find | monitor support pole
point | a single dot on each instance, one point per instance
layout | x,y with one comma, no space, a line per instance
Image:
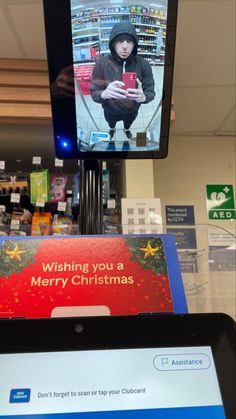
91,201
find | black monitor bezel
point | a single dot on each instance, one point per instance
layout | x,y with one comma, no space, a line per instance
57,17
124,332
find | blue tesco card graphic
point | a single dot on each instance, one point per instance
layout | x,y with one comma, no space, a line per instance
20,395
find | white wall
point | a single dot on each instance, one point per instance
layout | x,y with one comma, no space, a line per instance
181,178
192,163
139,180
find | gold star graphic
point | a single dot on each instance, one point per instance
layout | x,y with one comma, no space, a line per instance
149,250
15,253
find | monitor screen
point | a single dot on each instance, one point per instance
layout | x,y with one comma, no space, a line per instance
111,72
150,383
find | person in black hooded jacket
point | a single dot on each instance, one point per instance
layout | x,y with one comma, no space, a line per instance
106,85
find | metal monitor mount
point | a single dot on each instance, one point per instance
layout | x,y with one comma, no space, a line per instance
91,202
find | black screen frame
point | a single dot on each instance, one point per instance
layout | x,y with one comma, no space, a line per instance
57,19
126,332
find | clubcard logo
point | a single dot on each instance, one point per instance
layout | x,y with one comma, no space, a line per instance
20,395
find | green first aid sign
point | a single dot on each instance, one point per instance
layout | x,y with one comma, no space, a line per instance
220,202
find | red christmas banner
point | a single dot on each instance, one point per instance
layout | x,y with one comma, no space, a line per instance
89,275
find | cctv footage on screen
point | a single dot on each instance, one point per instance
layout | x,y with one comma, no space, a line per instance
119,62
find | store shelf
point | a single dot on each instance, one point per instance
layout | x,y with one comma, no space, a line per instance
115,14
146,53
26,111
146,24
147,34
85,63
120,13
24,93
106,27
105,20
84,18
85,36
143,44
86,44
84,29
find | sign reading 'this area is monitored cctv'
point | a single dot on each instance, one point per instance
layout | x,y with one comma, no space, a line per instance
220,202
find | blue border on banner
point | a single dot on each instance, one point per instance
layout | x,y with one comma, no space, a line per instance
174,272
206,412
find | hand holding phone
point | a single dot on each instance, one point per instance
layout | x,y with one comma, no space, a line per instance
136,94
114,90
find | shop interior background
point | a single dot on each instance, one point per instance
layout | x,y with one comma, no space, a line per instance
202,140
204,79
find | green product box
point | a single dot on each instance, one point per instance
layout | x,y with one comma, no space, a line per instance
39,186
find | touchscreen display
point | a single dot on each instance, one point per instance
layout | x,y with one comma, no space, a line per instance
176,383
118,57
111,68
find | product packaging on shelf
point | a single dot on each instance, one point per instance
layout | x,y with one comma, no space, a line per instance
9,183
4,221
39,186
58,188
41,224
62,224
105,186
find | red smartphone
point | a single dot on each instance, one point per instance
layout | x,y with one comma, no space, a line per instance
130,80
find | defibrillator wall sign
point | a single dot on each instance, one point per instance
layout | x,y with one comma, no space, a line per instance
220,202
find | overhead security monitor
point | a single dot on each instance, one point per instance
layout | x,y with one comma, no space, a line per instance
111,72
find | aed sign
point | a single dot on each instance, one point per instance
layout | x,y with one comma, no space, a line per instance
220,202
180,214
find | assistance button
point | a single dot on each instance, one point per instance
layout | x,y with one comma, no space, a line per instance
180,362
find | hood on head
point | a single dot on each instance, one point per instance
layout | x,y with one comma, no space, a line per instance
121,28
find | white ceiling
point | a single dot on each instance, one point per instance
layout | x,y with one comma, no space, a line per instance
204,82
